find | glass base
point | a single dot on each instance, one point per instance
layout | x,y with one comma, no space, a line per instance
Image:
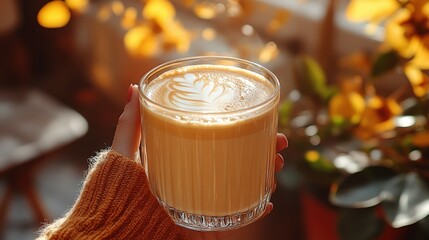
216,223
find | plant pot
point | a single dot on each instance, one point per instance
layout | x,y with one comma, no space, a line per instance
320,220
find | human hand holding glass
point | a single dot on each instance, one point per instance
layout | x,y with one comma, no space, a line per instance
127,140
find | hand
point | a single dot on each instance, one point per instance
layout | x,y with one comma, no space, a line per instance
127,139
127,136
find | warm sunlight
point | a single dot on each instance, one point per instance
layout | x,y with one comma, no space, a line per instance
77,5
54,14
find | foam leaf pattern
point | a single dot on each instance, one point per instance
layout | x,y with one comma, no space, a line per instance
191,93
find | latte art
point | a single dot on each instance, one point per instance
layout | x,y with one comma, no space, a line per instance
196,94
209,89
208,140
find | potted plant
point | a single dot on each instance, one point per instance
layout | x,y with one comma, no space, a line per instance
364,141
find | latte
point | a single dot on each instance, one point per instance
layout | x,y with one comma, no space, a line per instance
209,89
209,139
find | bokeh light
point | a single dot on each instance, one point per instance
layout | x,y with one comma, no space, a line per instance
77,5
54,14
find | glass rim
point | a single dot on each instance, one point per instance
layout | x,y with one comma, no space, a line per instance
274,81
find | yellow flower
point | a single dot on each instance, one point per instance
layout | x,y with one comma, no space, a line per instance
348,104
161,31
408,33
418,79
161,11
373,11
407,25
140,41
378,117
177,37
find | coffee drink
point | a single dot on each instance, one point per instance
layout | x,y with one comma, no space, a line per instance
209,137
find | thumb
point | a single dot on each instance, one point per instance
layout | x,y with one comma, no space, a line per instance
127,135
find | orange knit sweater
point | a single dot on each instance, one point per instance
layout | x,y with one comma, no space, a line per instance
115,203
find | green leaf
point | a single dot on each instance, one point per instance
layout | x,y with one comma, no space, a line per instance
359,224
384,62
408,203
285,111
311,79
362,189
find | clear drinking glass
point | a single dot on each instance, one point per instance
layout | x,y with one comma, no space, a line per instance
209,129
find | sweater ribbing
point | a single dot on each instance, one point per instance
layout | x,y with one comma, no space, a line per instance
115,203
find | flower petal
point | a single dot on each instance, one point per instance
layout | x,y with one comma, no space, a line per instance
421,58
418,80
370,10
395,35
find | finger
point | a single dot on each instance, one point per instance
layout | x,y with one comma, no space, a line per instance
279,162
274,186
282,142
127,135
268,209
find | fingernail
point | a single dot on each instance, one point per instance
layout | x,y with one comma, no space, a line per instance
270,207
282,159
129,93
286,143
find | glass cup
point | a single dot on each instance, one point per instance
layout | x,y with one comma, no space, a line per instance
209,128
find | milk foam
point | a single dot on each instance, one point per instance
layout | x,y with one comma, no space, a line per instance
209,89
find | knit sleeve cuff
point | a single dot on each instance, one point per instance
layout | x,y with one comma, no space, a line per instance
116,203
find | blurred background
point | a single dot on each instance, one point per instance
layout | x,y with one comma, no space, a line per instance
354,105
